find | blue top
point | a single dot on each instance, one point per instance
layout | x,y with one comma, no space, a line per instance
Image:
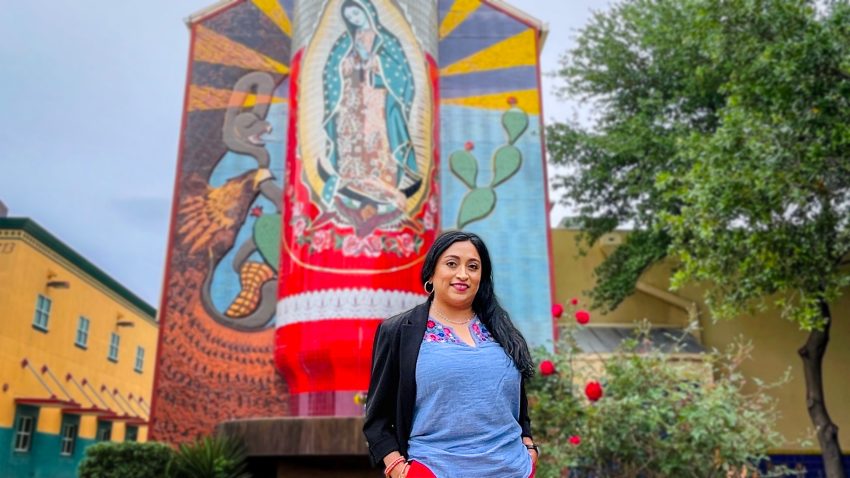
467,407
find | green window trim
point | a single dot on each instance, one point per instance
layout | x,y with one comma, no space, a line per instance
131,433
104,431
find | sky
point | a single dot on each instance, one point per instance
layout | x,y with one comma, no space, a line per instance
91,96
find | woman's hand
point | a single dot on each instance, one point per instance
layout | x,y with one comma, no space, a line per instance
534,456
401,471
532,452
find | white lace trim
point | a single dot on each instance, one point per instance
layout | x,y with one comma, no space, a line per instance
344,303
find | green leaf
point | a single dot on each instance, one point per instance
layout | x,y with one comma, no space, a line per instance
267,238
476,205
506,162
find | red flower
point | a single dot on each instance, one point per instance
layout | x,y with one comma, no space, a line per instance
582,317
575,440
574,301
557,311
469,146
257,211
547,368
593,390
512,100
431,324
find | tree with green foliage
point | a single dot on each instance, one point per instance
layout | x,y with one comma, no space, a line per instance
722,136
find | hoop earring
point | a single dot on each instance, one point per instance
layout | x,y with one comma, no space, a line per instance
425,286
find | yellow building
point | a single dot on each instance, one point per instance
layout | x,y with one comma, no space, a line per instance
775,341
77,352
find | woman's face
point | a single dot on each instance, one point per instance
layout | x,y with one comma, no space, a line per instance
457,276
356,16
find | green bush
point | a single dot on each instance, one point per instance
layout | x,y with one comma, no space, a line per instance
210,457
657,417
125,460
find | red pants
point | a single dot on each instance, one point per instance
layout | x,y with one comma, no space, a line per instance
418,470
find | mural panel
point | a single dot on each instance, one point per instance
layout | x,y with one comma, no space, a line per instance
310,185
494,181
215,357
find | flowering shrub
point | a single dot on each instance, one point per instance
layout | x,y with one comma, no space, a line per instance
642,413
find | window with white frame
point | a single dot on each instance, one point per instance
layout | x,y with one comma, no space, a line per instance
104,431
82,332
42,312
131,433
140,359
69,438
23,433
114,341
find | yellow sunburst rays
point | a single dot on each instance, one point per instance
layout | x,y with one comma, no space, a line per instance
456,15
212,47
276,13
516,51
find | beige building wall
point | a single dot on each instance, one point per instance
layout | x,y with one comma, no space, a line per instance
775,340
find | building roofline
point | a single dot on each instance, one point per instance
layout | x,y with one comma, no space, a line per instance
42,235
530,20
534,22
209,11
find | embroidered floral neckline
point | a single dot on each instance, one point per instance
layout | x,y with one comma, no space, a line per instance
437,332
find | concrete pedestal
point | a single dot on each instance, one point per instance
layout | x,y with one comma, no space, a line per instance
314,447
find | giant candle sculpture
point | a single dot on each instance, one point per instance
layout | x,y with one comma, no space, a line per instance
360,203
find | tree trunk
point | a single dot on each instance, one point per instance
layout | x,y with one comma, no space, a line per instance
812,354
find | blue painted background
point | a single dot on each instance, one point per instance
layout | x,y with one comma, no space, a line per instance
516,232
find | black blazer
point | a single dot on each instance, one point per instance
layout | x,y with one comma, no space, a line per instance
392,386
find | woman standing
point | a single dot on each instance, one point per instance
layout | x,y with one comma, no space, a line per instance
446,395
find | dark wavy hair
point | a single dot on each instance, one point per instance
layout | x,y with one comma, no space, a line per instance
486,304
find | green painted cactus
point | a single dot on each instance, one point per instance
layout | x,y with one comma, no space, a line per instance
514,121
479,202
506,162
464,165
267,236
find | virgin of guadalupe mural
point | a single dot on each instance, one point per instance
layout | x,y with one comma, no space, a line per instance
369,172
